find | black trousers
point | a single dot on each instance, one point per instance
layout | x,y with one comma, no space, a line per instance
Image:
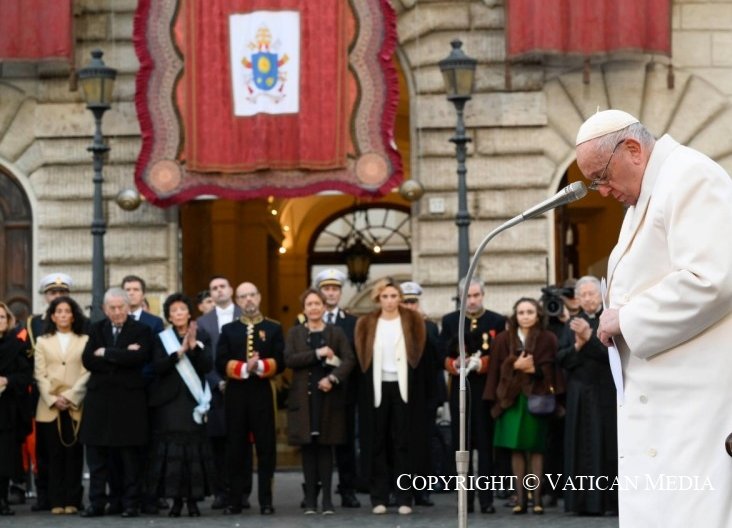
479,437
346,454
317,467
250,411
390,456
64,463
98,459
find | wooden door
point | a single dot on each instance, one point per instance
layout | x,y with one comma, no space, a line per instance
15,247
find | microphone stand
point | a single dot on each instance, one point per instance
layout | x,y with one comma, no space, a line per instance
462,457
571,193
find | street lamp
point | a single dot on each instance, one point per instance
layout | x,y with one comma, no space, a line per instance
458,72
97,83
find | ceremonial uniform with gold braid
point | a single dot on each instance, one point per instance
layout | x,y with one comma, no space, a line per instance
480,329
250,402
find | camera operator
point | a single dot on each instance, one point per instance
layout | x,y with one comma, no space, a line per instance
559,305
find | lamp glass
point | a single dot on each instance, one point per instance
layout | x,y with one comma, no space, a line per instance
464,78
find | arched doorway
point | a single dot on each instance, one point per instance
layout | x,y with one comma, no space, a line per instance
16,245
383,231
584,232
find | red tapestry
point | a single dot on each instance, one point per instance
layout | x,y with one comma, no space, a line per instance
588,26
229,105
36,29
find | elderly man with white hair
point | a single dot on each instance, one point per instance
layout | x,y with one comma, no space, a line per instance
115,409
670,315
590,433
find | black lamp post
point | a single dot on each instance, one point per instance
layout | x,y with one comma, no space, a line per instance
97,83
458,72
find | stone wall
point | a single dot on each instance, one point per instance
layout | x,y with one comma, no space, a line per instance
45,129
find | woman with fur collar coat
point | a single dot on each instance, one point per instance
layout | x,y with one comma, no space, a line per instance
394,390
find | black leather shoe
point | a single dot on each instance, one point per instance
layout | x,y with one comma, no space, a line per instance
423,500
193,510
114,508
41,505
130,512
162,504
91,511
266,509
349,500
231,510
219,503
5,508
487,509
176,508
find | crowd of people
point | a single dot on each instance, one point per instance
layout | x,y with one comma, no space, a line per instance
177,413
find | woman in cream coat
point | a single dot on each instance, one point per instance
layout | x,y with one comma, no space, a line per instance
61,380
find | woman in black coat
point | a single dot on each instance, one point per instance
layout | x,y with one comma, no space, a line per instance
321,359
181,467
15,376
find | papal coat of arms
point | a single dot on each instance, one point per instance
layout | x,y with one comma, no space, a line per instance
267,76
265,62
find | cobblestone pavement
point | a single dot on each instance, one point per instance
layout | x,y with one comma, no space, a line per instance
288,514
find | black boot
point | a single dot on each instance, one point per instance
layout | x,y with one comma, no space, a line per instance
5,508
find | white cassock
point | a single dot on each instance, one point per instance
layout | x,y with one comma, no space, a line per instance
670,275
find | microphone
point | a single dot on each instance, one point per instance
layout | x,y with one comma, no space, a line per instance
570,193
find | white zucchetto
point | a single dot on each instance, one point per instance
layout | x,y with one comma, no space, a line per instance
603,123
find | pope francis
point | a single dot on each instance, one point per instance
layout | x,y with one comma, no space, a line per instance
670,315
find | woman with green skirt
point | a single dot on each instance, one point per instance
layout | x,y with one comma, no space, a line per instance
522,367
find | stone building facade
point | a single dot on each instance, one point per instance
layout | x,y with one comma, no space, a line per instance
523,142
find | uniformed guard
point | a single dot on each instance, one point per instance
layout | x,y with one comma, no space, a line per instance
249,353
481,327
411,292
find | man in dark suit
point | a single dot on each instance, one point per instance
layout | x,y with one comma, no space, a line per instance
249,353
115,409
135,288
481,327
224,312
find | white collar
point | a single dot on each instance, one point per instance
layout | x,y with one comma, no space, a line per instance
228,310
136,314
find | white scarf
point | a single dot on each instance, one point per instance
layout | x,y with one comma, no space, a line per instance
200,391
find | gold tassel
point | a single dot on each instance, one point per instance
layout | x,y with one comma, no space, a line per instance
73,79
670,78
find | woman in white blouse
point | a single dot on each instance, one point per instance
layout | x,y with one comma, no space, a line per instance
61,380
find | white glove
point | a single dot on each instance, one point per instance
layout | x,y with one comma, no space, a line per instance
473,364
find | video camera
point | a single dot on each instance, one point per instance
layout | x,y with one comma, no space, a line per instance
551,299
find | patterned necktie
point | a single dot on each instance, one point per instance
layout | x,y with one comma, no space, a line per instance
331,318
115,334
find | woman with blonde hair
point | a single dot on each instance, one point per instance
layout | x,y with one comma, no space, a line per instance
61,379
395,387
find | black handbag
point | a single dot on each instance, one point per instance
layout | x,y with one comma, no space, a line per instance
543,404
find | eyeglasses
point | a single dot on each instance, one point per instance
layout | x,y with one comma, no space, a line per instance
602,180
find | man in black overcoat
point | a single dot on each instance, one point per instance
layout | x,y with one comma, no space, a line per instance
250,352
481,327
115,408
